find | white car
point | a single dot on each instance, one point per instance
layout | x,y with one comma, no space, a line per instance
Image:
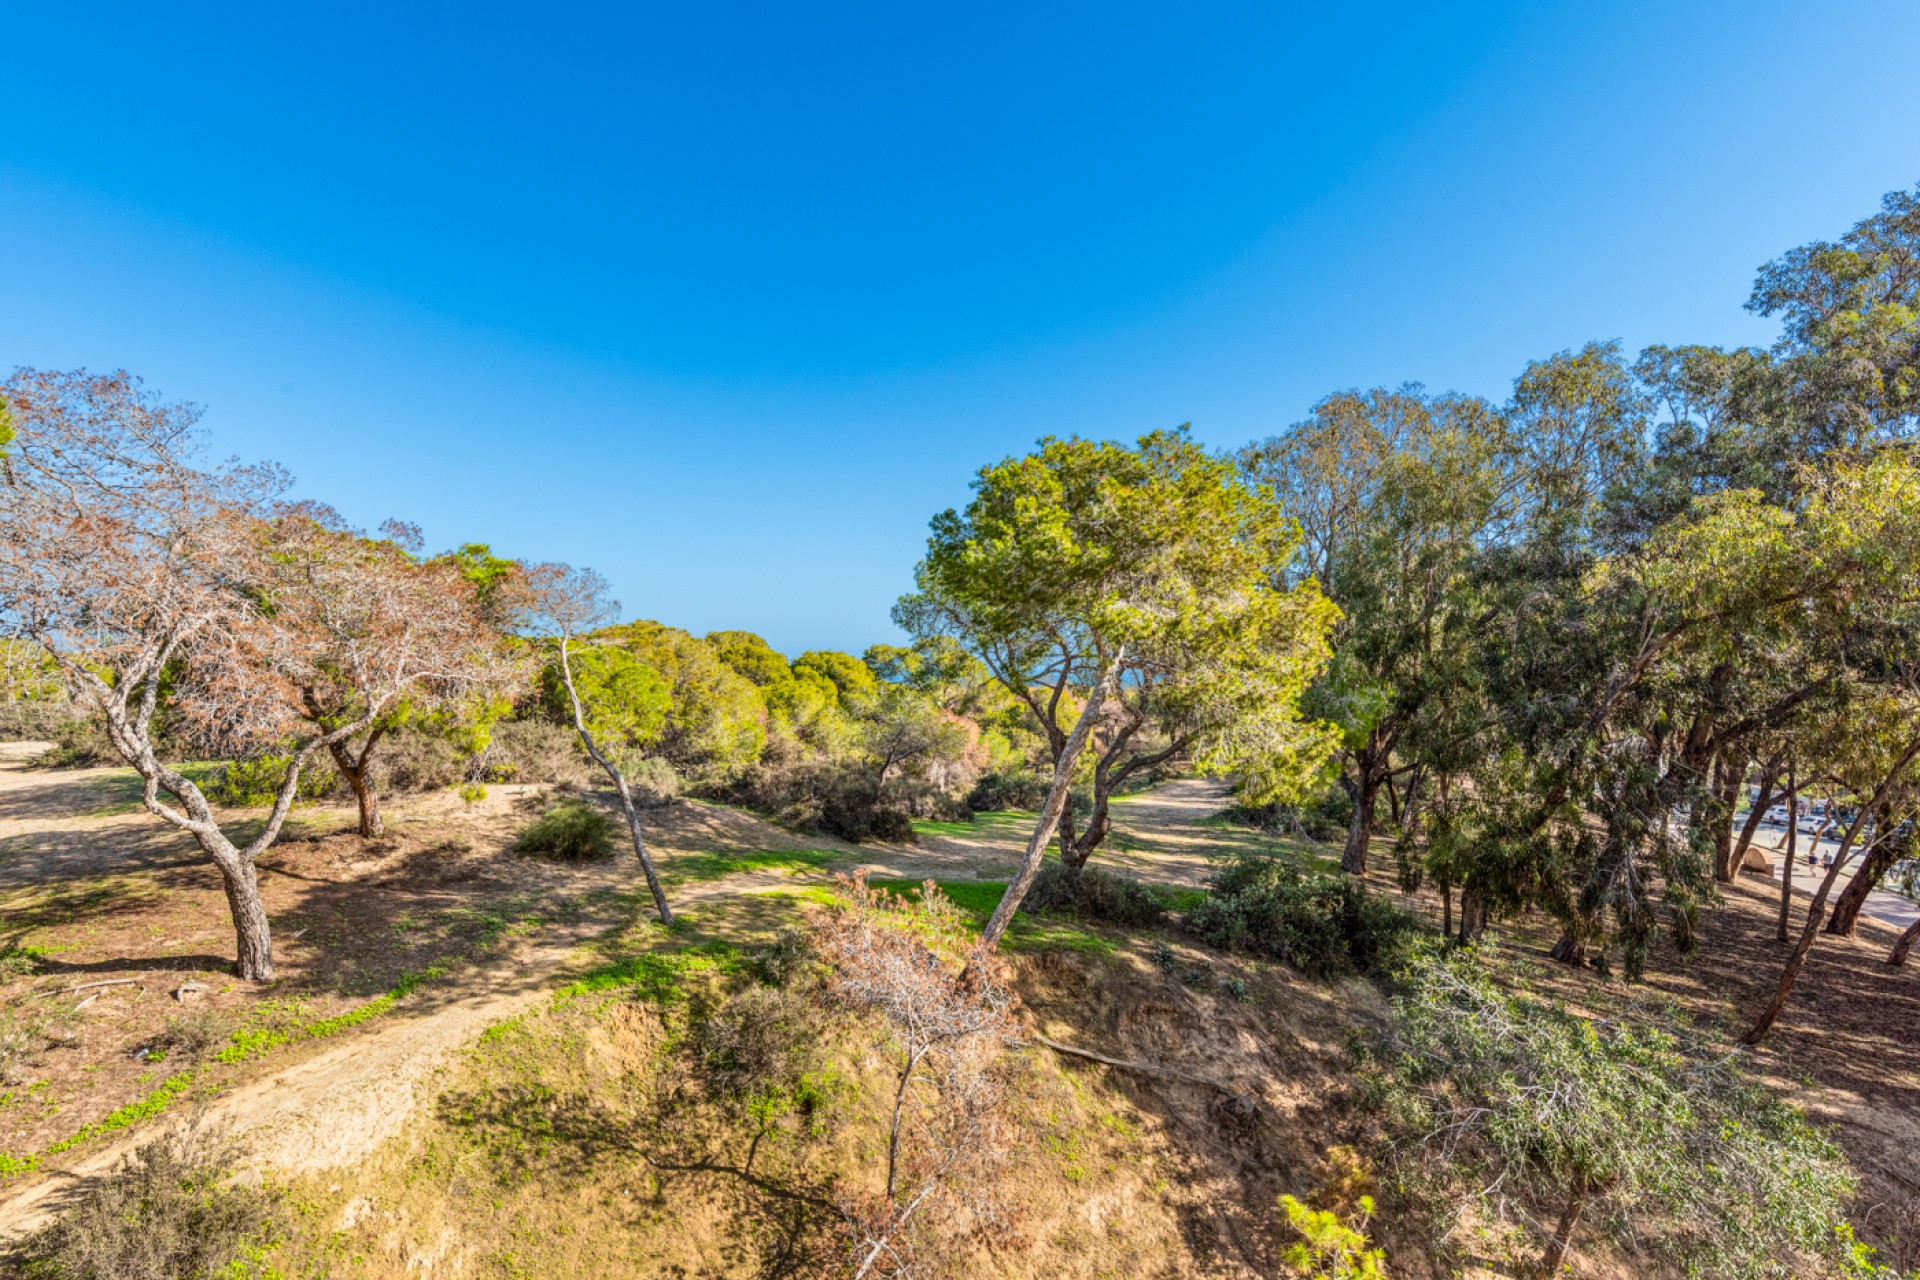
1776,816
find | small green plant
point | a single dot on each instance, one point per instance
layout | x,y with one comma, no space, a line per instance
1331,1248
472,792
571,831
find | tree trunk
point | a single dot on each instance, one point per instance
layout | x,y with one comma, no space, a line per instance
250,930
1898,956
1873,869
1769,774
1764,1024
371,825
620,784
1365,791
1077,847
1410,802
1570,949
1055,806
1446,910
1790,853
1719,811
1473,916
1557,1247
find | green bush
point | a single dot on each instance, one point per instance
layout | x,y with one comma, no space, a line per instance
1629,1125
837,799
1324,818
1319,923
1002,789
166,1212
571,831
1094,894
758,1042
252,784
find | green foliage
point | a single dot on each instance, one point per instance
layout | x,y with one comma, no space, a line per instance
570,831
852,678
167,1211
716,721
1319,923
625,702
1001,789
1663,1145
1158,556
1094,894
751,656
247,784
1329,1247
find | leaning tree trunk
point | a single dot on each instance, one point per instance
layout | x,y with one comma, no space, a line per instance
1873,869
620,783
1792,851
1795,962
1769,774
253,938
1557,1247
1898,956
1055,806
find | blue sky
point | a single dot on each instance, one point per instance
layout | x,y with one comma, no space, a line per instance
727,301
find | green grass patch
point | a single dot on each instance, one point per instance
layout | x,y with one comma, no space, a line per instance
656,976
248,1044
712,866
998,824
978,898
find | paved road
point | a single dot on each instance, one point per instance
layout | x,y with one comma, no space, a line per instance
1882,904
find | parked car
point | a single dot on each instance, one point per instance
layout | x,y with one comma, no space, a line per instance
1776,816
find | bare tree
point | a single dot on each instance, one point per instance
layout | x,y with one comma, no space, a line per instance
564,603
445,621
948,1136
151,578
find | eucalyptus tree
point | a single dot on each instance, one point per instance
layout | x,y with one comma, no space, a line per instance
1122,595
1399,491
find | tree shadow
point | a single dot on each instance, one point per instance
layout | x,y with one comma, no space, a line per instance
785,1221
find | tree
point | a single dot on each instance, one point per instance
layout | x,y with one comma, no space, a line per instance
717,724
1134,582
947,1135
1510,1100
563,604
1399,490
461,629
148,578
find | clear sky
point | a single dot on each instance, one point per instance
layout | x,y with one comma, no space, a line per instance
727,301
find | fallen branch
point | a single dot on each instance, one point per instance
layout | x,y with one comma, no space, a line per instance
1148,1067
86,986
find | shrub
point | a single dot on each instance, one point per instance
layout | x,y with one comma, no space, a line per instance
653,781
570,831
252,784
837,799
785,958
1332,1248
1612,1124
1321,924
79,742
1094,894
533,751
1324,818
417,758
162,1214
1000,789
188,1036
759,1042
28,1030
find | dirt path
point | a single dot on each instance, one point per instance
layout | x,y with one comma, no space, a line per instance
328,1109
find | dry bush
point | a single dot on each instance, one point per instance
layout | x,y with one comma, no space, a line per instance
760,1041
534,750
162,1214
949,1019
27,1031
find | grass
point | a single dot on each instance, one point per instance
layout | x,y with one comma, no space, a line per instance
1004,824
698,867
978,898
